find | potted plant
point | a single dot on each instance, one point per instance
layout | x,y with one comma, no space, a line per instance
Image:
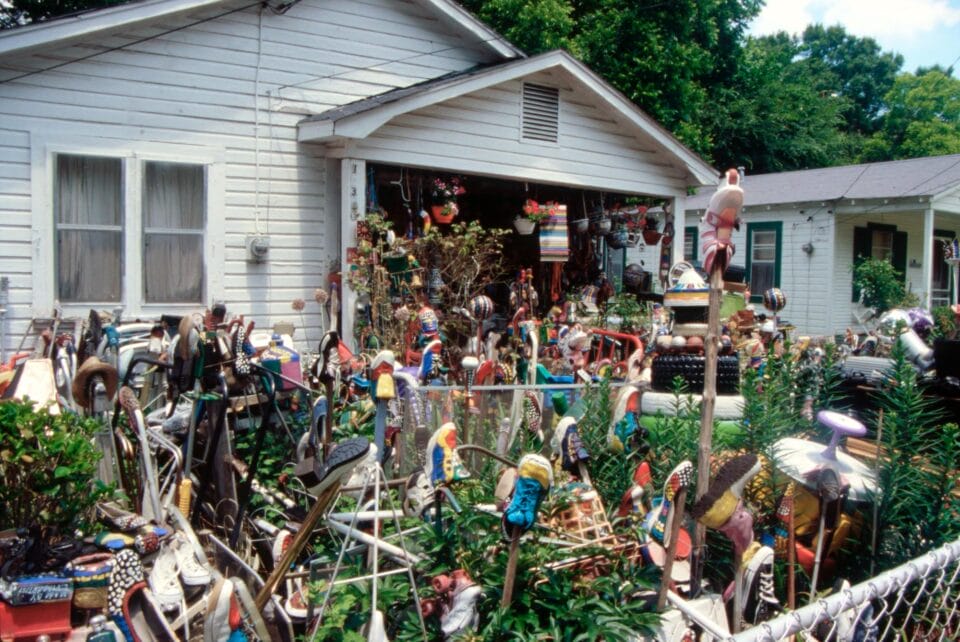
444,196
532,214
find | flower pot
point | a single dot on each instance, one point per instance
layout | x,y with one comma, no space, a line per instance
444,214
651,237
524,226
603,226
580,226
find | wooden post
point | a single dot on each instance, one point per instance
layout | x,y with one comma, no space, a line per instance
673,528
710,345
511,574
792,559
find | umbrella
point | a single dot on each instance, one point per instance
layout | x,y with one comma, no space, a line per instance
801,459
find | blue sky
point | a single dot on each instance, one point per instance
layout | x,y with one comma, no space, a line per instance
924,32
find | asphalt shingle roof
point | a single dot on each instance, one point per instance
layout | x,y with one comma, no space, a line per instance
892,179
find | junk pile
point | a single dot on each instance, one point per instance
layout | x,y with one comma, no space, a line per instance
244,490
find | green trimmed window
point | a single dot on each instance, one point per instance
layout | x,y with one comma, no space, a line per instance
878,241
764,252
691,235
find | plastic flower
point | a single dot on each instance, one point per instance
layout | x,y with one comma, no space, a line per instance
320,296
299,304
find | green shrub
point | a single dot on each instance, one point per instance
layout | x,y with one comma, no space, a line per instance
48,465
880,283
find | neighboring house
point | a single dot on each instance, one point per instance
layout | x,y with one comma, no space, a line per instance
143,147
802,230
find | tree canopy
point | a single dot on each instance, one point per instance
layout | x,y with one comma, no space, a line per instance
773,103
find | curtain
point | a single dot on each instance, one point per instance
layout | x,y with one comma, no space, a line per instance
174,217
89,218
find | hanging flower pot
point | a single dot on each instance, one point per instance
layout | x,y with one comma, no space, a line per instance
445,213
524,225
603,226
581,225
651,237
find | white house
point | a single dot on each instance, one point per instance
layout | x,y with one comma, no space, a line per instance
802,230
143,146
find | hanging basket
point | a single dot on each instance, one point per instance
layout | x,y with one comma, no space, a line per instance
524,226
651,237
444,214
581,225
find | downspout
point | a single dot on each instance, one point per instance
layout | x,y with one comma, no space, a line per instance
4,298
927,267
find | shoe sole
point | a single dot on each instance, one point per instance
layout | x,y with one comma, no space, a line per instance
340,462
737,470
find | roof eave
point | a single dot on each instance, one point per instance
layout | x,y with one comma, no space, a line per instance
362,124
474,25
71,28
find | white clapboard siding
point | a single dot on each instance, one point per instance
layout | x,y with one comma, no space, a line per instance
480,133
187,82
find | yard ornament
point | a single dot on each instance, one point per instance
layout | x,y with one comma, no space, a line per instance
722,217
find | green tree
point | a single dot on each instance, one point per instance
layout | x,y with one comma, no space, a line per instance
534,26
852,68
14,13
771,117
922,119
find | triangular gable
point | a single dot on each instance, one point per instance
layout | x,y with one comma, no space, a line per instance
74,28
360,119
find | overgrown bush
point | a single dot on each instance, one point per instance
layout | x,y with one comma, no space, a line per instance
881,284
48,465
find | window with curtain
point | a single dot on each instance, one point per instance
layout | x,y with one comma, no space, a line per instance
763,257
174,218
88,212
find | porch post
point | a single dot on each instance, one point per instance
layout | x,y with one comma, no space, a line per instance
679,205
353,198
927,267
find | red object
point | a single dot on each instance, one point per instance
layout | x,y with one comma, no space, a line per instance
27,622
443,214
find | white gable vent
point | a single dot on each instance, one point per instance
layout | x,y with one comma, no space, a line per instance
541,113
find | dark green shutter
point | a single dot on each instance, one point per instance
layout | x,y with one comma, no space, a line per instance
862,246
899,258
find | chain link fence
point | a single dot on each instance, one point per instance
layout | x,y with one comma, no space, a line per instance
918,601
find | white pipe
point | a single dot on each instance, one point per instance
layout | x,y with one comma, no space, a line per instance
360,536
706,624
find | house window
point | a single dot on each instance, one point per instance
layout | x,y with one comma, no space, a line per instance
883,242
100,245
88,203
690,237
173,224
764,242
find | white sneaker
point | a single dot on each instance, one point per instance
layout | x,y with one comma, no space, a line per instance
164,582
462,615
223,612
192,572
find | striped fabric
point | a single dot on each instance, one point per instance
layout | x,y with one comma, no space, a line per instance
554,245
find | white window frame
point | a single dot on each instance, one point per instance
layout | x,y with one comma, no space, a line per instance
45,146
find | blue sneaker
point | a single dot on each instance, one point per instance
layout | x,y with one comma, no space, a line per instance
568,444
534,479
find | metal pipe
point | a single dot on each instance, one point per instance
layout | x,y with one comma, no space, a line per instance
389,549
4,300
706,624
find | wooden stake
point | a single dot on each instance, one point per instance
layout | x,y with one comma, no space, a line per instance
876,503
299,542
792,558
706,419
511,574
673,529
737,593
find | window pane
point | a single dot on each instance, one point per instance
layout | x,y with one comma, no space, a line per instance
882,245
88,266
764,237
764,253
761,277
173,268
688,245
88,190
173,196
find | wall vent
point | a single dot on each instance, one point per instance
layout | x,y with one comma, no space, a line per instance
541,113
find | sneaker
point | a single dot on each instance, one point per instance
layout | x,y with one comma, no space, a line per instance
443,464
319,477
297,605
365,470
164,582
329,362
506,480
281,542
534,479
569,446
680,477
533,413
760,601
223,612
418,494
462,615
192,572
722,498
